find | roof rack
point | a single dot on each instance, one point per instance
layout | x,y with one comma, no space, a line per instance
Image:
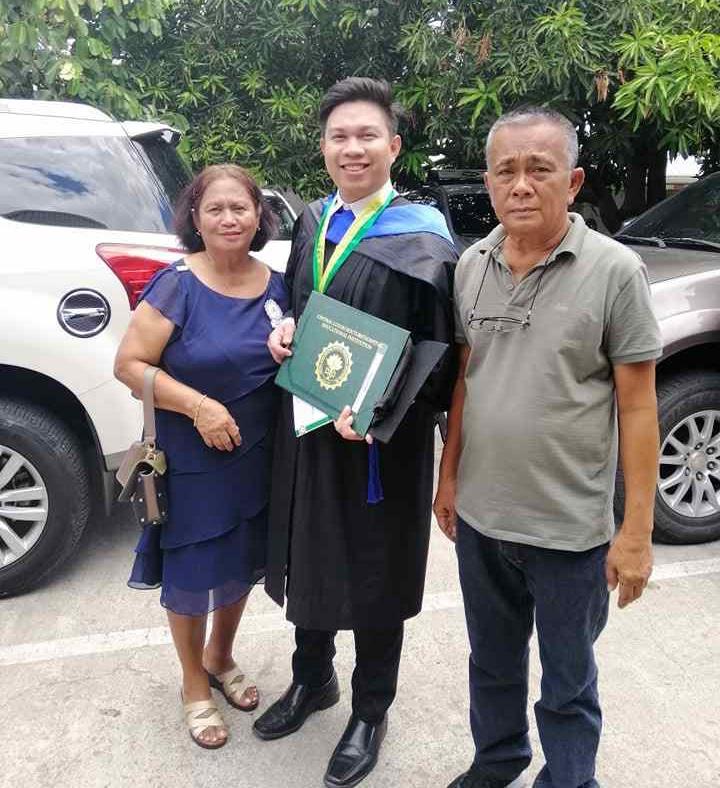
56,109
456,176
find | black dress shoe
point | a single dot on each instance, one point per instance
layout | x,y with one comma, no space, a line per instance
288,713
356,753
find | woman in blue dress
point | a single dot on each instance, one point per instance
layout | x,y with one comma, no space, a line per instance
204,321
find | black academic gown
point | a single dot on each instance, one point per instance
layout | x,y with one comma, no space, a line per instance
344,563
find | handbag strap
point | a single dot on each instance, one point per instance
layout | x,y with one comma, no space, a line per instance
148,397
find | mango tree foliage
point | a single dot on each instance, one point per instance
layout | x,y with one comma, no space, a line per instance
248,76
243,78
75,49
639,79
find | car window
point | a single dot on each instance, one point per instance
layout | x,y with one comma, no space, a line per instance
278,207
162,159
692,213
471,213
89,182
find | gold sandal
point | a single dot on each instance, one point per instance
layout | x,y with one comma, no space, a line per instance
232,683
201,715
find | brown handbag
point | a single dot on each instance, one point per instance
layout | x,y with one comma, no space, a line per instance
142,471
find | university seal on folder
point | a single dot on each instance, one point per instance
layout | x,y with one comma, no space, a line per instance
333,365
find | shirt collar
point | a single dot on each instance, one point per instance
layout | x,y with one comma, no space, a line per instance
570,244
358,206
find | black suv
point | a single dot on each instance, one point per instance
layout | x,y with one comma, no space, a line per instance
461,196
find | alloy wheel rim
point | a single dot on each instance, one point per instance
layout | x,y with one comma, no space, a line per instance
23,506
689,467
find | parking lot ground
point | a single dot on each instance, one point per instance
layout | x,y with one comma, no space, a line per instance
89,685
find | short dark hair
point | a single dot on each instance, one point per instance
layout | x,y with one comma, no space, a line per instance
527,115
191,197
376,91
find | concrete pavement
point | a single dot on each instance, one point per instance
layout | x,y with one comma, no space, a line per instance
89,684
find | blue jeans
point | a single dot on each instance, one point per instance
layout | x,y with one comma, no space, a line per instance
504,586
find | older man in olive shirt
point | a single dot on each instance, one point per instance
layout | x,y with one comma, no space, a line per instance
558,343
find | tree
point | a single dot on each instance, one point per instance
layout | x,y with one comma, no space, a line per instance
248,76
640,79
75,49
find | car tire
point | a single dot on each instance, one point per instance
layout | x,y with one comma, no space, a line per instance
53,455
681,399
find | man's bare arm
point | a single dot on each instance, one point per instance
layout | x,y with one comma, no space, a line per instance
629,561
444,506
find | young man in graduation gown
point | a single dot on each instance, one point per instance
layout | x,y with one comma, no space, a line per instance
349,520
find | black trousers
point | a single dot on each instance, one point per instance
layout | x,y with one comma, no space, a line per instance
377,662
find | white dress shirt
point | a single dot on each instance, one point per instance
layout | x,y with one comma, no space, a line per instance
358,206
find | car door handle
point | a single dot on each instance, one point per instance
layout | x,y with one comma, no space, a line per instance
74,313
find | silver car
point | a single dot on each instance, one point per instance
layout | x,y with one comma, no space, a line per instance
679,240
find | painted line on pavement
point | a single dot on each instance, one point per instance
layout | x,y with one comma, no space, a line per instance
705,566
107,642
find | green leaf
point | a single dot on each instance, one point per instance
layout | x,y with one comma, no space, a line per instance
247,75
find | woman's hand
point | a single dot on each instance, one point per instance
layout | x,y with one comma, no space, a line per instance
280,340
216,426
343,426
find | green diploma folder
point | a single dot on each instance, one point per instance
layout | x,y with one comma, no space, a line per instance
342,356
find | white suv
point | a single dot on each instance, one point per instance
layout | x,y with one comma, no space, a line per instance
85,220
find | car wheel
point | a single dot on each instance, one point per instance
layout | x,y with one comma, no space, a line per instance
44,494
687,501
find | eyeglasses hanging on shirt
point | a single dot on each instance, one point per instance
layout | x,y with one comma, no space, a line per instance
503,324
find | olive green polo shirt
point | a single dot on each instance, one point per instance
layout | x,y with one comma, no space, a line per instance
539,431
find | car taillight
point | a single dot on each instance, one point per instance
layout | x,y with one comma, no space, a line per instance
135,265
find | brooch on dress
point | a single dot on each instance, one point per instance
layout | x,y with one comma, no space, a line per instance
273,311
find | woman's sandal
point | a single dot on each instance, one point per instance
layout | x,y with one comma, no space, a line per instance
201,715
232,683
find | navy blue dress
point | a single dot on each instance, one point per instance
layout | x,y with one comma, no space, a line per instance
212,549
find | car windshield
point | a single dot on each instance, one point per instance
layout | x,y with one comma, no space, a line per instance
104,182
694,213
424,197
471,213
286,221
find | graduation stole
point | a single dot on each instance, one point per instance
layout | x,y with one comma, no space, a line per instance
324,274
